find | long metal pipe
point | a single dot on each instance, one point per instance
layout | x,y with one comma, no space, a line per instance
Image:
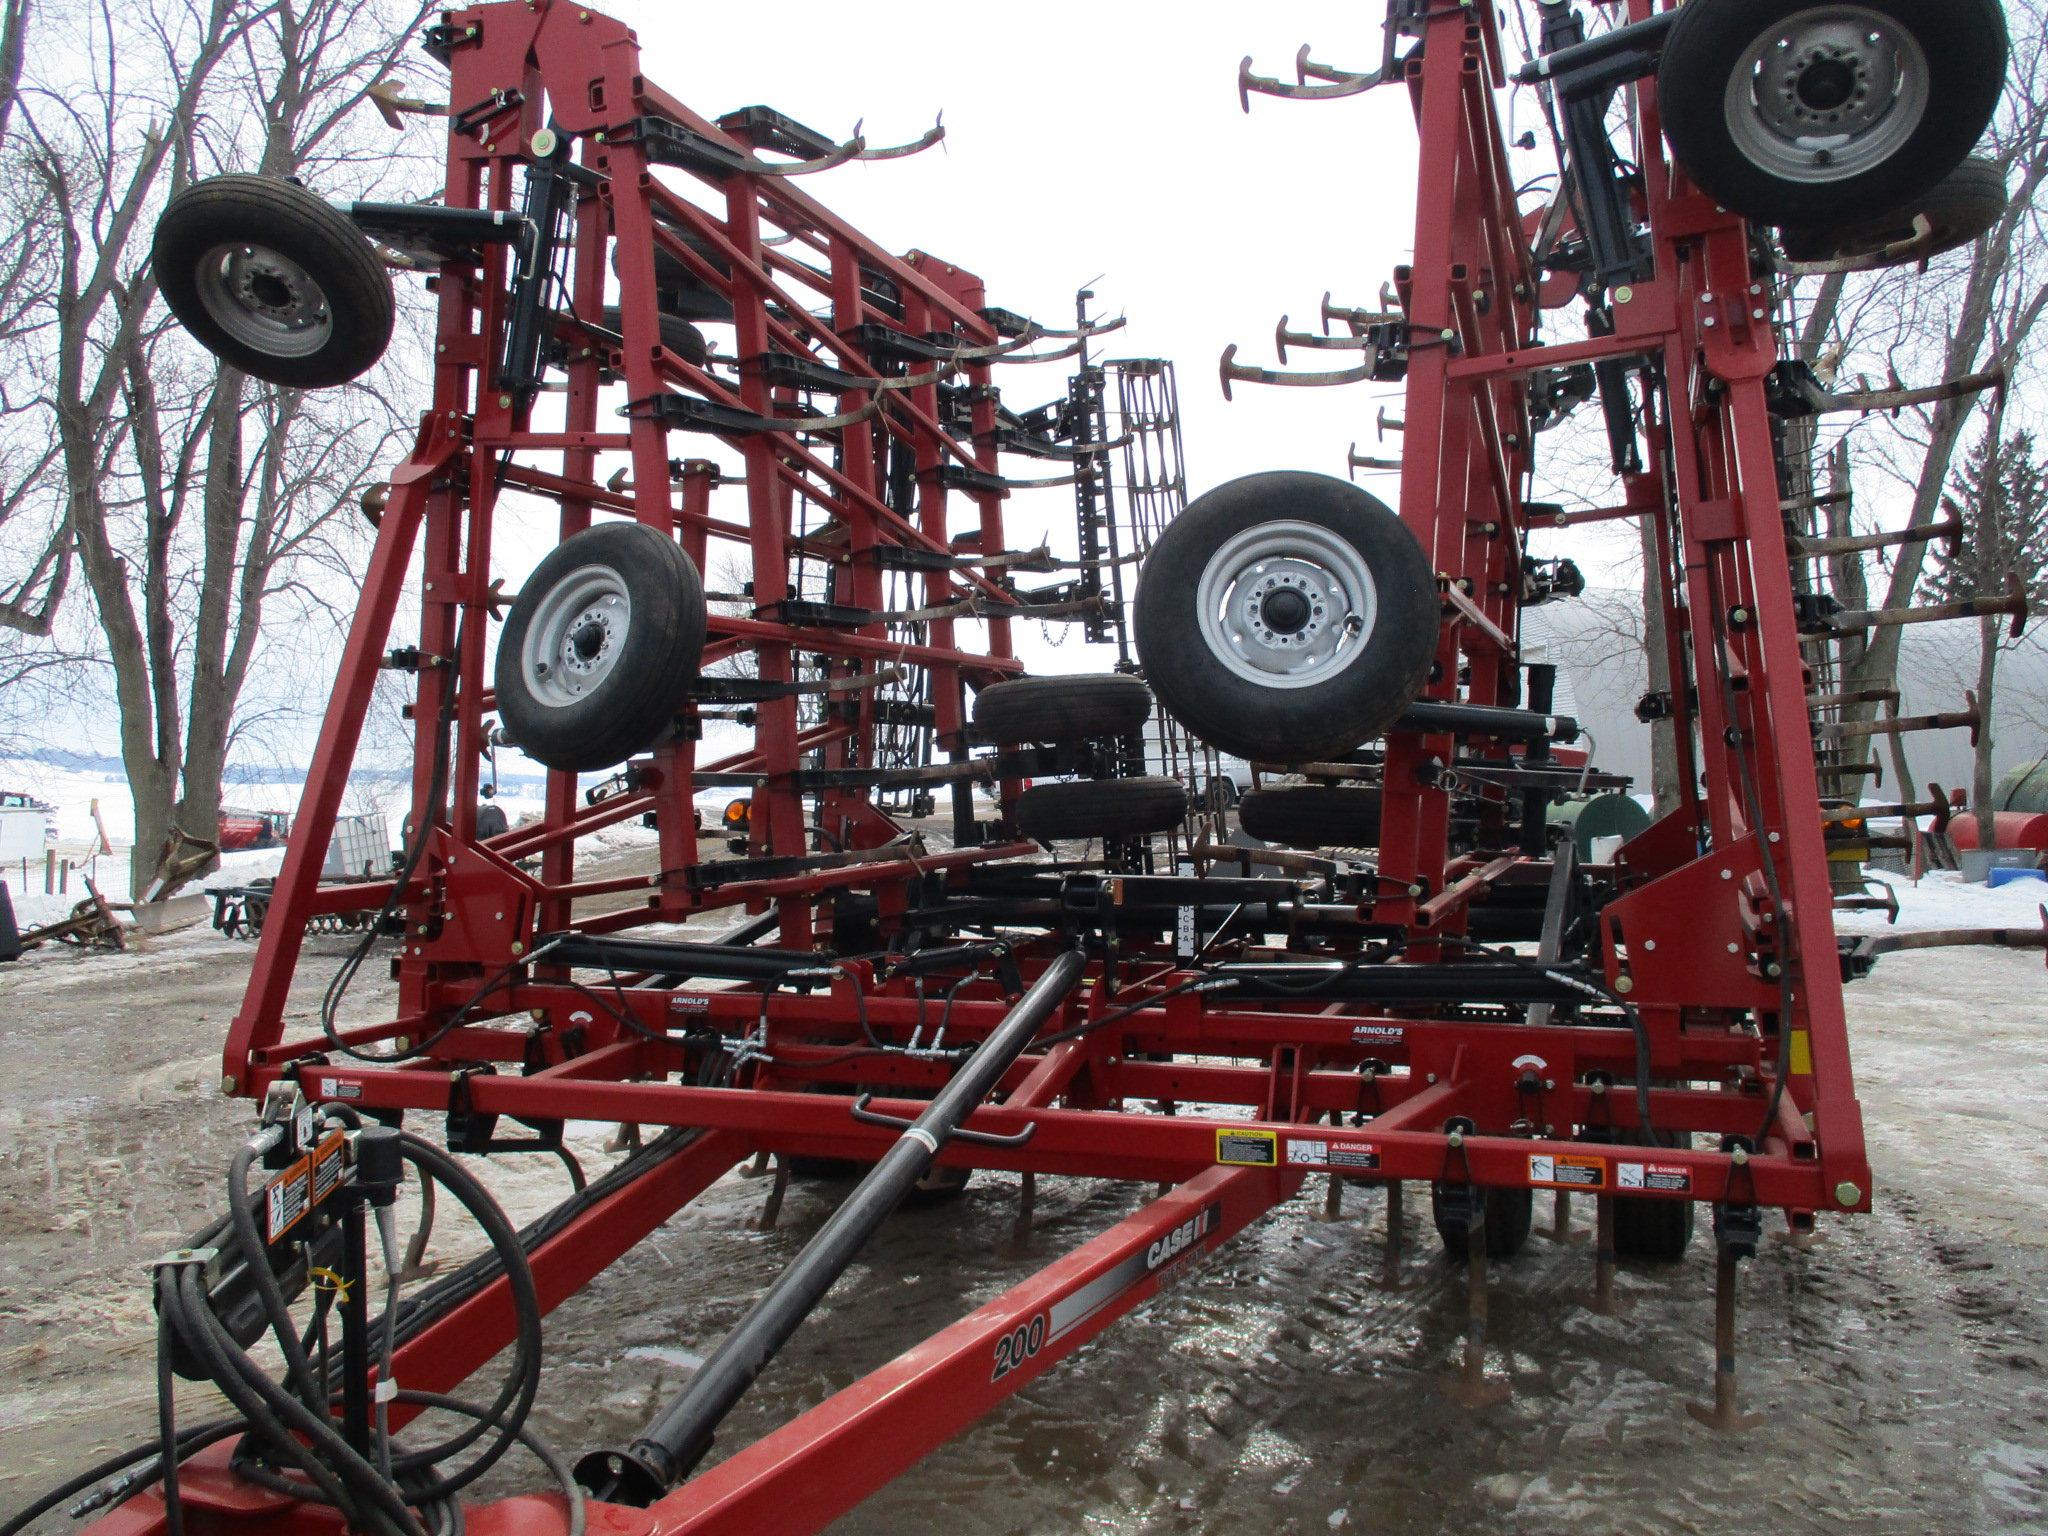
680,1438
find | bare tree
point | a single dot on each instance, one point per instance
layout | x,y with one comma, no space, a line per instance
2001,496
191,501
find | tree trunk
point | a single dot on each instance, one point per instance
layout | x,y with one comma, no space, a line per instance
1987,681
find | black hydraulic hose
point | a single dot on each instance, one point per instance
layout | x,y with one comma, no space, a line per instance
256,1260
677,1440
191,1441
508,1412
299,1435
271,1411
167,1414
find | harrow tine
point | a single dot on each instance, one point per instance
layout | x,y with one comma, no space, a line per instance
1389,1280
933,135
837,156
1076,333
1357,321
1340,83
1897,398
1027,1206
1283,338
1355,461
1949,531
2014,603
393,106
1970,719
1561,1230
1234,372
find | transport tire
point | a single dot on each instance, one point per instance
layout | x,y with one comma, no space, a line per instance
1287,617
1059,709
1509,1215
1077,809
1313,815
1796,112
1963,206
602,647
677,334
274,281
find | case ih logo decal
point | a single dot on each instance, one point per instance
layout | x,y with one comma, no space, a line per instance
1024,1342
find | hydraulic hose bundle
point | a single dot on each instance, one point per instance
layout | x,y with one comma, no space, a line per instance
322,1433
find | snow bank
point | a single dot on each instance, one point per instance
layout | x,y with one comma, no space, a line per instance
1943,900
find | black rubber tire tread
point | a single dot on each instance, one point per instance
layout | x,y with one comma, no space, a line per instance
683,293
1658,1231
1288,725
664,643
1076,809
1060,709
1313,815
1966,203
1510,1213
294,222
677,334
1966,47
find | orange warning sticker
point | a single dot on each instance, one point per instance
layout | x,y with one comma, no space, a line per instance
1562,1172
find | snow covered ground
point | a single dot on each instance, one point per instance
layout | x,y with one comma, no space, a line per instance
1943,900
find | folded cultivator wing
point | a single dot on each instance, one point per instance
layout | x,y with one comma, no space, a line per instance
765,460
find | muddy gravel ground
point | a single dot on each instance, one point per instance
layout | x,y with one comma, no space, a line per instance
1279,1387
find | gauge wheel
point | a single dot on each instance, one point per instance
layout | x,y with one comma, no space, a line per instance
1313,815
273,281
1963,206
677,334
1796,113
1074,810
601,649
1051,710
1287,617
1509,1215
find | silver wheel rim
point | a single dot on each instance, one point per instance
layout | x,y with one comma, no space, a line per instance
576,636
265,300
1287,604
1829,93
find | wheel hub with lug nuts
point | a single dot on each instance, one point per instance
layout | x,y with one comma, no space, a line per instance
1830,92
574,639
265,300
1287,604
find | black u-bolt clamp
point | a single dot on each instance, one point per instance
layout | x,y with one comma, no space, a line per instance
867,1116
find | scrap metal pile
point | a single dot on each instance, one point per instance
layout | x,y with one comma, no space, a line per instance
653,344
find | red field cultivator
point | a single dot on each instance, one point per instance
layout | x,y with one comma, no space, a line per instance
1406,977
